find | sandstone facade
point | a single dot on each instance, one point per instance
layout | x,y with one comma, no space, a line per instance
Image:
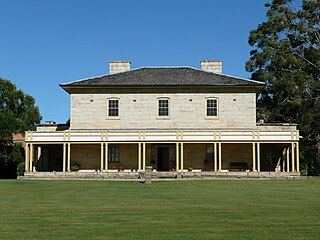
136,111
130,135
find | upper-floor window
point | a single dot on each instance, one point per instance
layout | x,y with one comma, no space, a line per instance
163,107
113,107
212,107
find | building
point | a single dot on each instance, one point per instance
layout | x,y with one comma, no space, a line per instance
180,120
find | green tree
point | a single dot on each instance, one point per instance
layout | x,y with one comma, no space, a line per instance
286,56
17,114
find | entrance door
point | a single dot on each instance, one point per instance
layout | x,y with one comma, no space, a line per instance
163,159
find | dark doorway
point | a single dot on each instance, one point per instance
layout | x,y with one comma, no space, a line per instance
163,159
51,158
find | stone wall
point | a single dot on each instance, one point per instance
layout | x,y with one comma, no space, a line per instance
128,157
236,110
89,156
231,152
195,155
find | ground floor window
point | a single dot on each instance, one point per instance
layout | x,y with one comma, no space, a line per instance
209,153
113,154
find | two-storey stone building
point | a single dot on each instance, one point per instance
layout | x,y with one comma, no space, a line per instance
177,119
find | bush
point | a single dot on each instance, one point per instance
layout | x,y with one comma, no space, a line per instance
303,172
75,167
20,168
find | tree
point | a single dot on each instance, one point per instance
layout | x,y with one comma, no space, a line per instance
17,114
286,56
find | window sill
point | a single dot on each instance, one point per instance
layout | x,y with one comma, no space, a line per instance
211,118
163,118
113,118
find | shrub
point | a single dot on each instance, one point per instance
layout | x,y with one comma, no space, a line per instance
303,172
20,168
75,167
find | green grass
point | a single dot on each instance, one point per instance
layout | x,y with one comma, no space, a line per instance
218,209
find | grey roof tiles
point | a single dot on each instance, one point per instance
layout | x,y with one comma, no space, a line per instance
164,76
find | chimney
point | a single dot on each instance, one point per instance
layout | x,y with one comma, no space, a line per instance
119,66
50,123
214,66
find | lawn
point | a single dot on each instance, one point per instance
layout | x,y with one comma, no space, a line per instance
195,209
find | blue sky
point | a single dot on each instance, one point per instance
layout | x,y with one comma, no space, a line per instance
44,43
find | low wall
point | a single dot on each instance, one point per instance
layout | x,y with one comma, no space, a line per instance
158,175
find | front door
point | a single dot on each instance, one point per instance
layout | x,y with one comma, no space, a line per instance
163,159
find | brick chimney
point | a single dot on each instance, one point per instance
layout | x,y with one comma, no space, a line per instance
214,66
119,66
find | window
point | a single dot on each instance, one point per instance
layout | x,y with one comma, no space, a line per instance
212,107
113,107
163,107
209,153
113,154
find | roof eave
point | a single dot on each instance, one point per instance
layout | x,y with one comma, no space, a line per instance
67,87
